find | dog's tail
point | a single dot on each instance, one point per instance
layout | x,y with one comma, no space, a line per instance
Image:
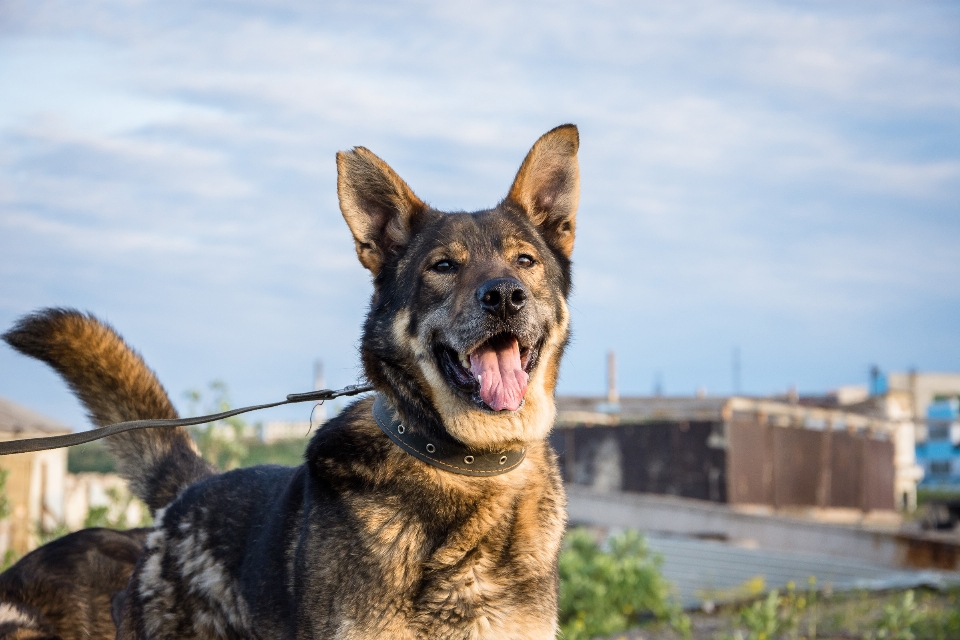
115,385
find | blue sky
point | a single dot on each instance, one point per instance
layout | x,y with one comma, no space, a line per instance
782,177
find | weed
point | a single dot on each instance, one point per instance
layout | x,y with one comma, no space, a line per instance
780,616
603,592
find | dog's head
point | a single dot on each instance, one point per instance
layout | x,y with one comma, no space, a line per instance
469,317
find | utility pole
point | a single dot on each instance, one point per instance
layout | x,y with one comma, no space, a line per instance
319,382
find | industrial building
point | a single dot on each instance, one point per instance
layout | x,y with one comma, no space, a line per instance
774,454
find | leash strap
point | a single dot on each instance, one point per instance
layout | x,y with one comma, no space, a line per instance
68,440
446,455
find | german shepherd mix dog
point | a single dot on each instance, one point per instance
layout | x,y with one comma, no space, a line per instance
63,590
400,523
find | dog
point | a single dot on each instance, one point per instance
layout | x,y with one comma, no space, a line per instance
433,509
64,590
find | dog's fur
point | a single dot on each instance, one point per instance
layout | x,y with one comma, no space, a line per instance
364,540
63,590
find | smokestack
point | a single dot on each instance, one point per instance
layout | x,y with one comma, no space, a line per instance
613,397
319,382
736,371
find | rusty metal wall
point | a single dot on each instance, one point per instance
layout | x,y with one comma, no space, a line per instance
796,465
777,466
749,464
788,466
878,475
846,471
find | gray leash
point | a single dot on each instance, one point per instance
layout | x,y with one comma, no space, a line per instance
55,442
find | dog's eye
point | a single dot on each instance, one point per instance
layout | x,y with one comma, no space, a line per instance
523,260
445,266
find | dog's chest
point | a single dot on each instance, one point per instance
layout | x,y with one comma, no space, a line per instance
476,599
490,576
490,589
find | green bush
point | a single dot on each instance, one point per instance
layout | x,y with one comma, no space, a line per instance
92,457
286,452
603,592
102,516
938,625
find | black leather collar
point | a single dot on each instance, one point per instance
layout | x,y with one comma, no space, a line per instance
447,455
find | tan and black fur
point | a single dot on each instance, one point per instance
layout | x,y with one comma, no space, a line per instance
364,540
64,590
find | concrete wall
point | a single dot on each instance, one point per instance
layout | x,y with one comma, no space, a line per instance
34,491
83,491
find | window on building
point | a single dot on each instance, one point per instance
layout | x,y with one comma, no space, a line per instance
940,467
937,431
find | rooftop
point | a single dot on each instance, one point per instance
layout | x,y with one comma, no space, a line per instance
596,411
15,419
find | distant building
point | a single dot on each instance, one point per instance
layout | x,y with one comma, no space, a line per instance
939,453
923,389
928,402
277,430
742,451
35,481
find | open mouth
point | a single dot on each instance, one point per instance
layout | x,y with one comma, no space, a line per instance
493,374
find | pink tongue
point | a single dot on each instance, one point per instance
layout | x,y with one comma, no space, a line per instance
503,380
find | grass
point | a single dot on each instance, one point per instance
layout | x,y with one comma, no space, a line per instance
915,614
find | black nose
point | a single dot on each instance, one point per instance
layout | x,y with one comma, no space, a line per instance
503,297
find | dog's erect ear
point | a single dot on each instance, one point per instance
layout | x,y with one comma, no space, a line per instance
379,207
547,186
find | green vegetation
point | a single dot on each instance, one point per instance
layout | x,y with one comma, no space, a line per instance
779,616
892,616
920,614
92,457
224,442
603,592
114,515
927,494
285,452
230,443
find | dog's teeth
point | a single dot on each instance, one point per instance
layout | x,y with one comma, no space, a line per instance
480,379
464,361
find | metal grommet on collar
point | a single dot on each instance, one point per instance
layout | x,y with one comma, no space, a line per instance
452,456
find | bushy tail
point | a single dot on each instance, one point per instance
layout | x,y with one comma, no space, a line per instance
115,385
